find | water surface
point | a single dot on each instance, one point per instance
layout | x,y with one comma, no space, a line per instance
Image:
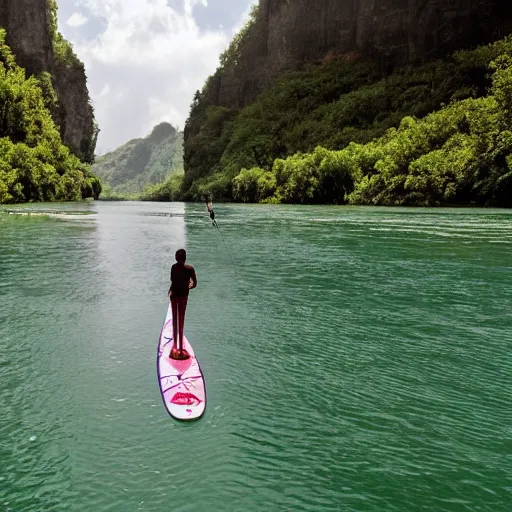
356,359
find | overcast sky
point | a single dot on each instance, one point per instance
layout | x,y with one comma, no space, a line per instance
144,59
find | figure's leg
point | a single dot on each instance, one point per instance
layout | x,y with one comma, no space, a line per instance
182,309
174,305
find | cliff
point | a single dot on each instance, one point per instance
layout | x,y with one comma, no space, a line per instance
285,35
75,115
330,73
32,36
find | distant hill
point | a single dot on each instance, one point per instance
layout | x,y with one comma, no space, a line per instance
141,162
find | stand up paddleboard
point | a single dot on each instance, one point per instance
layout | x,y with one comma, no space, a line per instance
181,382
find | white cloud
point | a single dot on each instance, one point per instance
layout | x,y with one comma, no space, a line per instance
144,62
77,19
105,90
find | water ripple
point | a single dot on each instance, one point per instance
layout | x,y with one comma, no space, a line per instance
355,359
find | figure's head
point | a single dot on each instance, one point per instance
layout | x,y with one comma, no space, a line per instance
181,255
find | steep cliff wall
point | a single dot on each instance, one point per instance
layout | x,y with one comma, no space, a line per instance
404,30
286,34
26,23
29,34
360,67
75,114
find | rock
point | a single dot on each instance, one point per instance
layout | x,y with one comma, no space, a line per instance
287,34
28,34
76,115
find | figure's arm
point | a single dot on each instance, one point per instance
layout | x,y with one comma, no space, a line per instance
171,276
194,279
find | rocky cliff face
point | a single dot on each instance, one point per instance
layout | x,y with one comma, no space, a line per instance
27,23
287,33
403,30
75,113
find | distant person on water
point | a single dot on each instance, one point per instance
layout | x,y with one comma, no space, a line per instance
183,279
210,210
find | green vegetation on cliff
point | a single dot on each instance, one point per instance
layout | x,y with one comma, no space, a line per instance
142,164
34,164
349,131
63,51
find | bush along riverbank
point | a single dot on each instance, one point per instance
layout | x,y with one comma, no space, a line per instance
437,134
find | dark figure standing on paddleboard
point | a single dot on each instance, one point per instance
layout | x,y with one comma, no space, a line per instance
183,279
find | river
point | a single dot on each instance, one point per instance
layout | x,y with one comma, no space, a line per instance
356,359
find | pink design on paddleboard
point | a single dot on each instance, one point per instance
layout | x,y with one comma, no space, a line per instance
181,382
185,399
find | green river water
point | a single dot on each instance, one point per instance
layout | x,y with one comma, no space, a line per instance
356,359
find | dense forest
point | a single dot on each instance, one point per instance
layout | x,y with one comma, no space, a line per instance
34,163
460,154
350,131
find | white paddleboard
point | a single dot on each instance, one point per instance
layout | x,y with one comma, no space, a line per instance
181,383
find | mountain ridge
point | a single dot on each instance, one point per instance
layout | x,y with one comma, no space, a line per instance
144,161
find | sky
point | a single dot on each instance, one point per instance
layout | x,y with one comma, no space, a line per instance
144,59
